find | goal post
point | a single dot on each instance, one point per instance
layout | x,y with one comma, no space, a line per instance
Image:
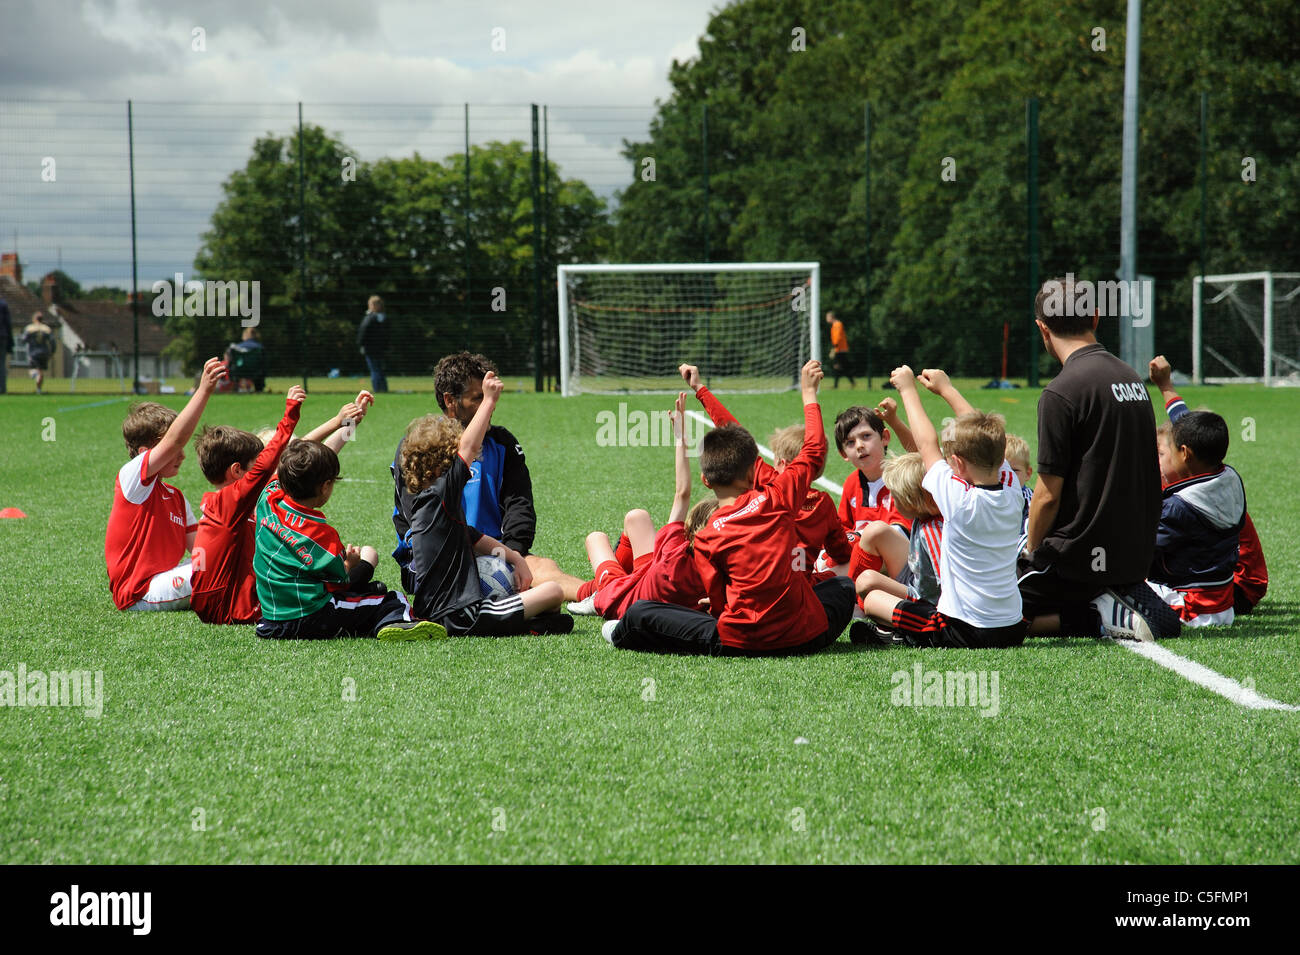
625,328
1246,328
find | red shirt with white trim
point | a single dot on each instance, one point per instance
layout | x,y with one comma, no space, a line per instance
817,522
746,557
224,586
671,577
146,530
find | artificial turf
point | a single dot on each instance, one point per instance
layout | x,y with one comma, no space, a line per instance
214,746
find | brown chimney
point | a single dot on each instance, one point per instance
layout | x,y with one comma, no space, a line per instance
10,266
49,286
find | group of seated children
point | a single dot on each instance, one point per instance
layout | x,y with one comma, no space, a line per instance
921,551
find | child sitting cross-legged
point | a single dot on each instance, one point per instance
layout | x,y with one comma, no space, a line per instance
979,603
663,566
760,602
1203,517
433,466
912,564
817,522
307,582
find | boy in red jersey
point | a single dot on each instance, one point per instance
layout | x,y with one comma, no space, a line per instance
817,521
666,571
760,605
224,587
862,438
151,525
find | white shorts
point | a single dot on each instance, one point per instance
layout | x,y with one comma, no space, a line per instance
1174,598
169,590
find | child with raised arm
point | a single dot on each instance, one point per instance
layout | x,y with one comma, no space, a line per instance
667,571
235,461
979,605
817,522
1208,560
759,603
151,525
433,465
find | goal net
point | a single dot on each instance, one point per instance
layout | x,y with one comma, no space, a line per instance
1246,328
626,328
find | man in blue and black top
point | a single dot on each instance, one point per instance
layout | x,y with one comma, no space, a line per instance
498,498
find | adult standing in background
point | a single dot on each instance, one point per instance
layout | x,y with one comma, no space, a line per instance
372,339
39,339
839,351
7,330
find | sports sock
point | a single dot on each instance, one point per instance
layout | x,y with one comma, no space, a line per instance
623,553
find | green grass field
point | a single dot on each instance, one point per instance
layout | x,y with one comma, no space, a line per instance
215,747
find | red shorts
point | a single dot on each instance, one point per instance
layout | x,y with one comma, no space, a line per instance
609,570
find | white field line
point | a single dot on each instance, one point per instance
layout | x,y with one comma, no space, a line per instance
824,483
1204,676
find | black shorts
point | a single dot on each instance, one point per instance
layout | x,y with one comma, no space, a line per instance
39,360
921,624
1043,591
489,617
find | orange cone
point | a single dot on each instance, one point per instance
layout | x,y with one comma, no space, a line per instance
11,512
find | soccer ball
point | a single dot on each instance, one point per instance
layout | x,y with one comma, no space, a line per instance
495,578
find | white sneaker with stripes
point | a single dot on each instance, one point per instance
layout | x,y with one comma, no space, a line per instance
582,608
1119,622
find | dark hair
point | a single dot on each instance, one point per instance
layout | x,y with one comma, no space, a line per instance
145,425
726,454
455,372
305,466
220,447
850,418
1066,322
1205,434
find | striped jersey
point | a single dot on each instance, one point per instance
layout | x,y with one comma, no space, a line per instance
298,559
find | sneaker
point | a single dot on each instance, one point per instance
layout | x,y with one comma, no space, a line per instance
607,631
872,634
550,623
582,608
1148,617
412,630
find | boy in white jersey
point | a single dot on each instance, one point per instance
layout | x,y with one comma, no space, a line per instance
981,503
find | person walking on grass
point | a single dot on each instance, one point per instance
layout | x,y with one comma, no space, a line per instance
39,339
372,339
839,351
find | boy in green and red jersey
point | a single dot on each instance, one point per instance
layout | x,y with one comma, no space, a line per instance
305,577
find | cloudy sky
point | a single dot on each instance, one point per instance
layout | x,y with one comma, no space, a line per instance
388,76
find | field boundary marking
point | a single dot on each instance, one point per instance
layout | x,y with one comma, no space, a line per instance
1202,675
822,482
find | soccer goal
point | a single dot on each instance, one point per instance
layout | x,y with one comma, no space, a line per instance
1246,328
625,328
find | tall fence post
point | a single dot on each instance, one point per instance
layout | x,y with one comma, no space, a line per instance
866,217
302,249
537,264
135,280
1031,228
1198,300
465,312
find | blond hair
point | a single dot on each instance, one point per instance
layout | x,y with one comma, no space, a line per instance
428,447
699,516
787,442
903,476
1017,450
980,439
